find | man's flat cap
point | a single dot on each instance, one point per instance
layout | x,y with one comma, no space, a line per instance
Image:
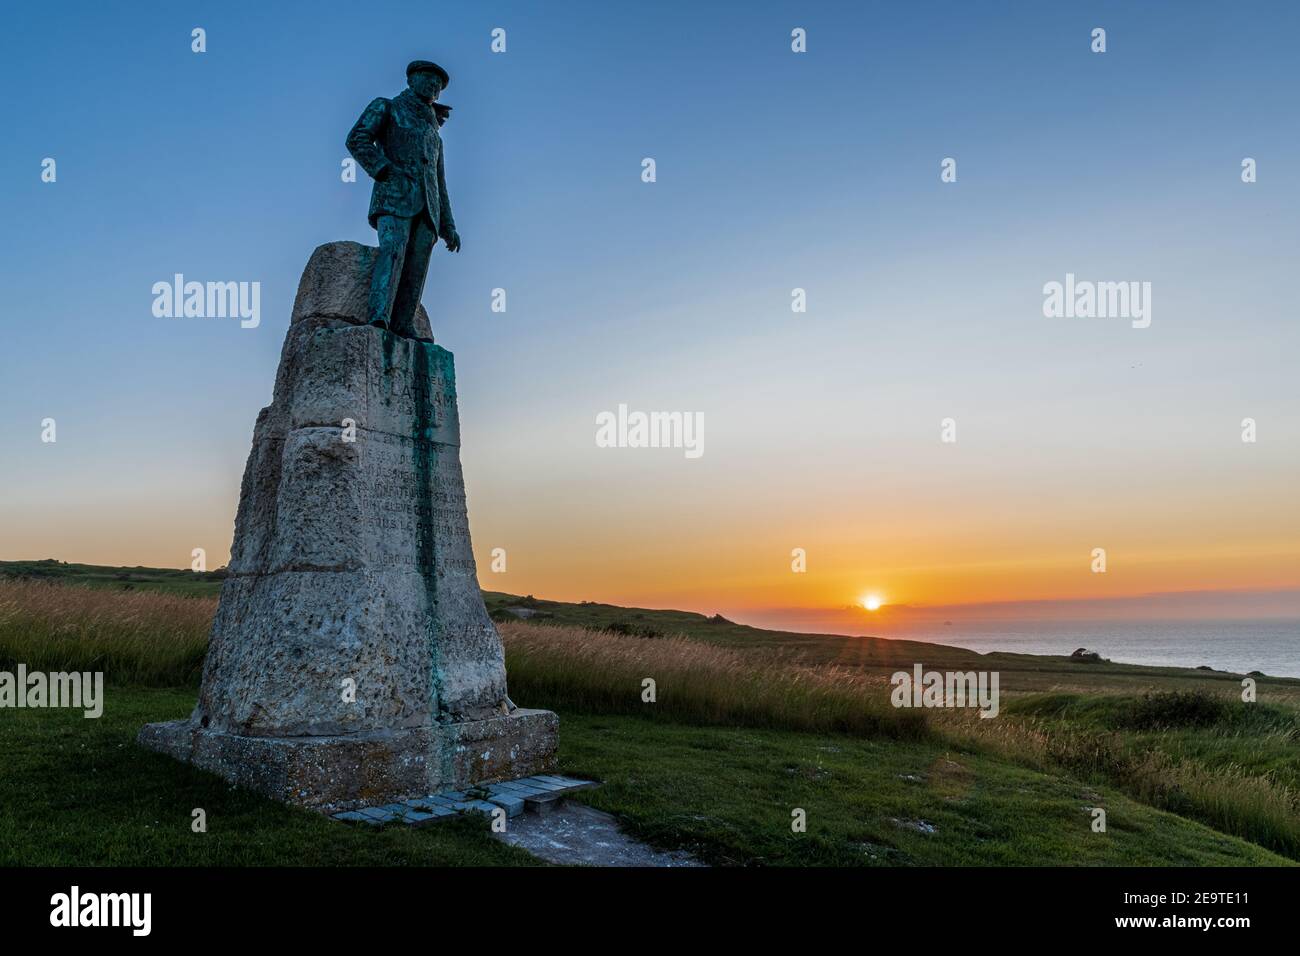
424,66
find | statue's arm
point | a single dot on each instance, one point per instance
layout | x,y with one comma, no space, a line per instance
361,140
446,225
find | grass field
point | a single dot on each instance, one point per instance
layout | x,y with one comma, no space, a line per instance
78,791
747,725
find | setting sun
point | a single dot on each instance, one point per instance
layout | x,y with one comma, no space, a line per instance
871,602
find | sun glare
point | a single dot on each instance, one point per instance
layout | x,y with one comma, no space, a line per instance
871,602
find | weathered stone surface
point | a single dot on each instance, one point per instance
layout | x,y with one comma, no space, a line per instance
513,796
392,385
336,285
347,772
577,835
513,806
352,562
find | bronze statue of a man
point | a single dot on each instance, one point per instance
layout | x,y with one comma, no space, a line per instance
397,142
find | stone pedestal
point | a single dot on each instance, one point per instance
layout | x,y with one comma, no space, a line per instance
352,660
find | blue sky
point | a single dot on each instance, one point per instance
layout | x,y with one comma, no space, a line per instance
775,171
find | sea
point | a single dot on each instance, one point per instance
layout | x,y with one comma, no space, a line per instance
1269,645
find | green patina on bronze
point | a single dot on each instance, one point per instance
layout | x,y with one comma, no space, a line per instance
396,141
424,356
423,450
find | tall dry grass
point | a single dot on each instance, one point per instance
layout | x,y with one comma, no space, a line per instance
150,638
153,639
1253,806
134,637
572,668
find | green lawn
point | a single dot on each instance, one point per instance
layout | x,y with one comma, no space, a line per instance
728,795
79,792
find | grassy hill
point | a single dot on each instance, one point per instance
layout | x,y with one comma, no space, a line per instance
164,580
1021,673
748,725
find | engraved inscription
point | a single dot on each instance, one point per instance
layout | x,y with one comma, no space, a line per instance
416,517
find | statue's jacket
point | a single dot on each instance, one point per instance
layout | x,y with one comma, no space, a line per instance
403,133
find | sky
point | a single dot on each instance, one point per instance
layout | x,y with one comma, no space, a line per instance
774,171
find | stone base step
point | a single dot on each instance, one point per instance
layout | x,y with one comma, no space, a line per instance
537,794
